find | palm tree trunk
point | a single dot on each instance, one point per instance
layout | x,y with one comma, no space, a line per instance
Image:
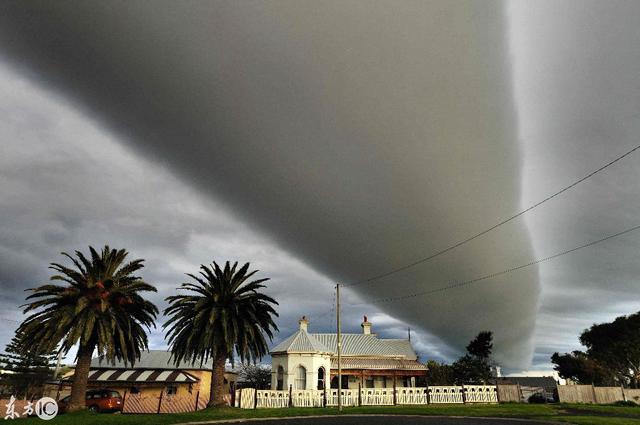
80,379
216,398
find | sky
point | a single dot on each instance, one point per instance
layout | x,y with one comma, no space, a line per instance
331,142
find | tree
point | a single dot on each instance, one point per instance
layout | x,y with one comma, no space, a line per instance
581,369
481,345
616,346
26,371
475,366
439,373
223,314
99,306
255,376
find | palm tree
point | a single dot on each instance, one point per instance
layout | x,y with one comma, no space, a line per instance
98,306
223,314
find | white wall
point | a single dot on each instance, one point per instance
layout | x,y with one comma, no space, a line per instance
290,363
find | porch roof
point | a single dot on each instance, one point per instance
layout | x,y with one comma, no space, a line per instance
377,364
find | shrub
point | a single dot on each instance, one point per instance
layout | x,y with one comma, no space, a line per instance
626,403
537,398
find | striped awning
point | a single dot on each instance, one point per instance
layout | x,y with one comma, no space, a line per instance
140,375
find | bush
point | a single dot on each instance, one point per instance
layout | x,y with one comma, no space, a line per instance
537,399
627,403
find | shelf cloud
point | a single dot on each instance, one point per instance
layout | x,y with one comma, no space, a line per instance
330,142
357,136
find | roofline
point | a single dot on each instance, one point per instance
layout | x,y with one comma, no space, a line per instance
333,353
154,368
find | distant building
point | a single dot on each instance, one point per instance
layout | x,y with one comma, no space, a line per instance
529,385
155,371
309,360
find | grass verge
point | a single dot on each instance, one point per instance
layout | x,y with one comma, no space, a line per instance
575,414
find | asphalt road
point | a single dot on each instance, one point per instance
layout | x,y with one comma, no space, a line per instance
393,420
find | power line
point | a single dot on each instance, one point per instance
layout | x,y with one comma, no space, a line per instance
331,310
495,226
492,275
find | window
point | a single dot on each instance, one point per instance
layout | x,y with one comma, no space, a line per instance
369,382
321,378
301,378
172,390
280,378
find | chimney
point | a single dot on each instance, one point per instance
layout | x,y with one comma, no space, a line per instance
304,323
366,326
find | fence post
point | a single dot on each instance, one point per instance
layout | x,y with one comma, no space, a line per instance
195,409
160,400
464,398
255,398
60,388
359,394
497,393
394,388
428,396
324,396
520,397
290,395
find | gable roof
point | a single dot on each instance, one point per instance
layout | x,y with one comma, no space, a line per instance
352,345
153,359
301,342
530,381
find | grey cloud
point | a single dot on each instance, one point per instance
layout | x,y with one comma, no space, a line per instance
358,137
576,78
66,185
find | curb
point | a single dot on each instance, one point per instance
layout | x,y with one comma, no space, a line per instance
284,418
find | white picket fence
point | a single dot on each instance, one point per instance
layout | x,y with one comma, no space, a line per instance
249,398
450,394
480,394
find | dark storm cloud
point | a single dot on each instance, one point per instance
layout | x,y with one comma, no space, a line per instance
358,135
65,184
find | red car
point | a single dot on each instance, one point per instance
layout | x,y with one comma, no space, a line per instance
97,401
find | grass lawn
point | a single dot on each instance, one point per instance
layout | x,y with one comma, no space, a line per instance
570,413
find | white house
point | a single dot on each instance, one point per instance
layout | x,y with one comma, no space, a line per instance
309,360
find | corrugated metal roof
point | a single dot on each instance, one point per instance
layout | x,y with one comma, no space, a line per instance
301,342
370,363
352,345
155,359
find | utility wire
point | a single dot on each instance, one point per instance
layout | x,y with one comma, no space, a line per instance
492,275
495,226
331,310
